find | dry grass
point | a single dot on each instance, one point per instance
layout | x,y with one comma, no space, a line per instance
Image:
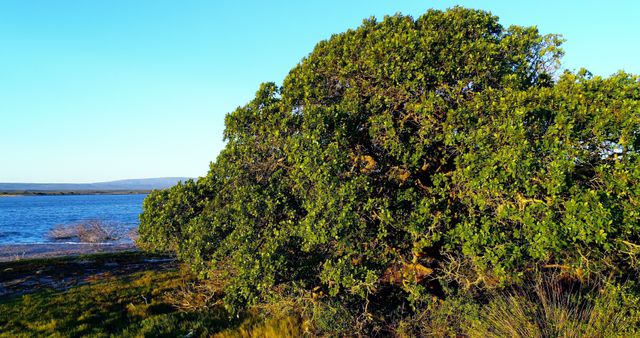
90,231
195,295
553,307
284,327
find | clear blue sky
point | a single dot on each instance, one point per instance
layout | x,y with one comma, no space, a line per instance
103,90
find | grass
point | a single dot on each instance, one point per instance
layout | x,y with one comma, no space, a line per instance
128,306
552,307
279,327
141,304
171,302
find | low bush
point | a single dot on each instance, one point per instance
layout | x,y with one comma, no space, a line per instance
90,231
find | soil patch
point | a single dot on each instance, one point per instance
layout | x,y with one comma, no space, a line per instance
28,276
13,252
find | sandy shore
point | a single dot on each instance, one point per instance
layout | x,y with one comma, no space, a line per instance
12,252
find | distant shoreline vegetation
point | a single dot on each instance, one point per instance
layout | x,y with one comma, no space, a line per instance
71,192
121,187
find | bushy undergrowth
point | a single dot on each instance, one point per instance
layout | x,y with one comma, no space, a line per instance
176,303
409,161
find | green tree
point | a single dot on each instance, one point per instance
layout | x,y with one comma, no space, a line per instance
409,151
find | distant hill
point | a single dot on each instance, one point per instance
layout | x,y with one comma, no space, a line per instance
143,184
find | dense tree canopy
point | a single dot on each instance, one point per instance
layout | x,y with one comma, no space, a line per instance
416,156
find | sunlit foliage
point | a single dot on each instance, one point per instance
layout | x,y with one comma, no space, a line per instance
412,158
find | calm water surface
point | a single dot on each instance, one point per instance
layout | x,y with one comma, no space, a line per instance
28,219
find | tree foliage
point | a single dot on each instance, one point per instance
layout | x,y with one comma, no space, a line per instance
419,156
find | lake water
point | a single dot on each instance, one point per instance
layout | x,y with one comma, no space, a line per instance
28,219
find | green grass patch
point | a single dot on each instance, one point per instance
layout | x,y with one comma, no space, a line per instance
126,302
135,305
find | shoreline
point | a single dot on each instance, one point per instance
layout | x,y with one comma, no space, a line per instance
18,193
16,252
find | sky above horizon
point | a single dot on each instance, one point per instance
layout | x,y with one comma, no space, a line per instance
95,91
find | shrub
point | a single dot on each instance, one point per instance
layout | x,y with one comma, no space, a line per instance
89,231
415,157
